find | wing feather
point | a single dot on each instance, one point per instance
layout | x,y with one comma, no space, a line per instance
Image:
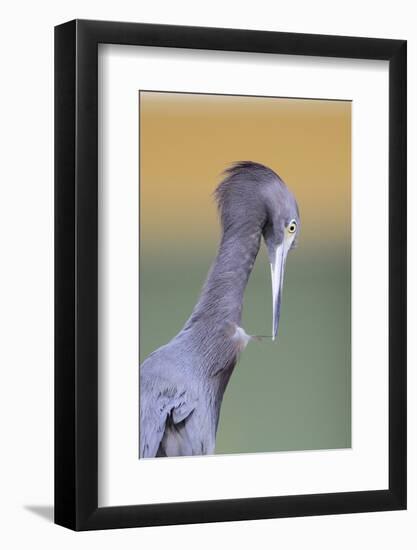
160,402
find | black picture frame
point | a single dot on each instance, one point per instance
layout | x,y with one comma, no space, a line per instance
76,272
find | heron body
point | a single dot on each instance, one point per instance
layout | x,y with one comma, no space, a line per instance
183,382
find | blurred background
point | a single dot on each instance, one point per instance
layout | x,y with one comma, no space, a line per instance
293,394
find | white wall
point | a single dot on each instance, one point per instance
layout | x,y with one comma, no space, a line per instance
26,289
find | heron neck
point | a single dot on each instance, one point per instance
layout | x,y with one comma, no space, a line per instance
221,299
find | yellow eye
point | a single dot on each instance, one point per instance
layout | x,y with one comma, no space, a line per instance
292,226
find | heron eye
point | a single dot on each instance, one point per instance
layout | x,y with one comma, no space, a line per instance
292,226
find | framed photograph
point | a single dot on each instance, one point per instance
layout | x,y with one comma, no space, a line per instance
230,253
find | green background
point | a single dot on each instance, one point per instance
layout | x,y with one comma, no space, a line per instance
290,394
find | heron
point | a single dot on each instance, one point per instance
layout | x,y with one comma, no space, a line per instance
182,383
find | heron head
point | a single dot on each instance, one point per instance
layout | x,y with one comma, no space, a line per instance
253,195
280,233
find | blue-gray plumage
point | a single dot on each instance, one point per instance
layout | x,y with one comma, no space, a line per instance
182,383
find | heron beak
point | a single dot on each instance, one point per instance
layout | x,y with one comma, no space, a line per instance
277,278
